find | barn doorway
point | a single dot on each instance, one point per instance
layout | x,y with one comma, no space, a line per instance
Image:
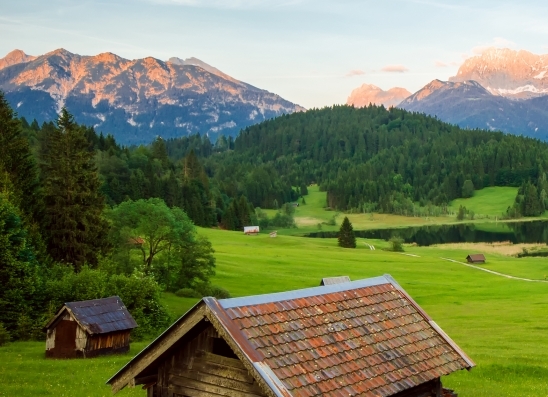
65,339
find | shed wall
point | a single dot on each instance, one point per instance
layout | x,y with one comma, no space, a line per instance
196,370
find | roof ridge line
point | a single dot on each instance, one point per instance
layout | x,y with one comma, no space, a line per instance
305,292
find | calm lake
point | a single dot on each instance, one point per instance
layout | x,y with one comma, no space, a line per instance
516,232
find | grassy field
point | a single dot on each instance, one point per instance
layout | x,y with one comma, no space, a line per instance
488,204
490,201
500,323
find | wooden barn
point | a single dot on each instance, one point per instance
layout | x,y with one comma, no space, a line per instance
89,328
476,258
365,337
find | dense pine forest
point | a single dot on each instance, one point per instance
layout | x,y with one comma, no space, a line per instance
79,213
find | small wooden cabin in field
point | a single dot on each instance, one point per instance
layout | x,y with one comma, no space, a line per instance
89,328
273,234
251,230
365,337
476,258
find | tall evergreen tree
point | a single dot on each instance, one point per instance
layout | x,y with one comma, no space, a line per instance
75,230
347,239
17,161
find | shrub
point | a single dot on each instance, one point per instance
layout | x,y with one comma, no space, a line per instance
206,289
396,244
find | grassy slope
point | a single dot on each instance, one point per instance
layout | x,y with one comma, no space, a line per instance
490,201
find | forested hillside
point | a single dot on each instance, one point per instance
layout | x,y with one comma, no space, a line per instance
390,160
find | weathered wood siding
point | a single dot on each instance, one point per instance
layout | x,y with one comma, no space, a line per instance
67,339
195,371
113,342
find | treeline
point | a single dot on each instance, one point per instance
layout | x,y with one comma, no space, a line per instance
71,230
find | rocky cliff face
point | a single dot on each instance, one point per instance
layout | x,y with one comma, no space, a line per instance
15,57
369,93
508,73
470,105
135,100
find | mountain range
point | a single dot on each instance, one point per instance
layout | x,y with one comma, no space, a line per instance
501,89
135,100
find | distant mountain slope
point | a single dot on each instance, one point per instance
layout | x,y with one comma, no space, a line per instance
470,105
509,73
135,100
369,93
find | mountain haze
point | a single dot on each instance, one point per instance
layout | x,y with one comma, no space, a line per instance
135,100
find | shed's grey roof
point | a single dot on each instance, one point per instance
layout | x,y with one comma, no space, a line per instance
335,280
100,316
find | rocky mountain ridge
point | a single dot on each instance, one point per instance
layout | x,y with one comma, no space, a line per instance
508,73
371,94
470,105
135,100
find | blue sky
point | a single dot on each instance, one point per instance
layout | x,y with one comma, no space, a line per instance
311,52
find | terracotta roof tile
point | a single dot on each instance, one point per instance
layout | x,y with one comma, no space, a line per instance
370,341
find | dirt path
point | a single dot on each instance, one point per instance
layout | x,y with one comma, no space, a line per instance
496,273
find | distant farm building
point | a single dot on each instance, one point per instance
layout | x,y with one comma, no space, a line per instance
335,280
365,337
273,234
251,230
476,258
89,328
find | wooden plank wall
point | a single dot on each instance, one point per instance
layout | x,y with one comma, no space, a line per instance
194,371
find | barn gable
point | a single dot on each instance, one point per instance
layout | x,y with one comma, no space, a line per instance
364,337
88,328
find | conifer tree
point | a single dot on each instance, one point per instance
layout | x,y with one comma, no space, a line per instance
75,230
347,239
17,161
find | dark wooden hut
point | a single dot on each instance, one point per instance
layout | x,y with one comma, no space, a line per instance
476,258
365,337
89,328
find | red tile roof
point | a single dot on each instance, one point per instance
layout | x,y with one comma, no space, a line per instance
346,339
366,337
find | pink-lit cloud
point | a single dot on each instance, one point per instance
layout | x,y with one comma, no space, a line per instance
395,69
497,42
355,72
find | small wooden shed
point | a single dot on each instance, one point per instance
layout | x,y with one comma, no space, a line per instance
89,328
366,337
476,258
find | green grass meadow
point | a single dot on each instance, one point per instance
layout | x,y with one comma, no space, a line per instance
490,201
501,323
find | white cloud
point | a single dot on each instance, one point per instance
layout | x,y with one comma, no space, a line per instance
497,42
355,72
395,69
441,64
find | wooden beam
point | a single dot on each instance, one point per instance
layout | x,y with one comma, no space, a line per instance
184,377
157,348
200,389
